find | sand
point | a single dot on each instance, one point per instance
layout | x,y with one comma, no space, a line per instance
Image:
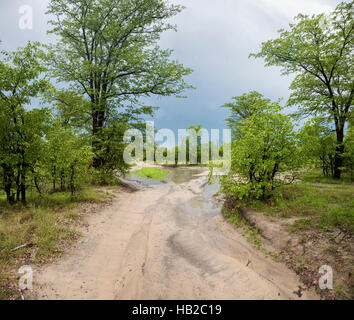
165,241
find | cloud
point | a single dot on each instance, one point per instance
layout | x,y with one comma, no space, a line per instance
214,38
290,8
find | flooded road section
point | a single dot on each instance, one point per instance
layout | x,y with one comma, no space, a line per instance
166,241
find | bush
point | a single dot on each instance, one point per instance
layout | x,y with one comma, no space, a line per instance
264,157
318,146
103,177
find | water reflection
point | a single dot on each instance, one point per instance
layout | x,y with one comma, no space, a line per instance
175,175
211,189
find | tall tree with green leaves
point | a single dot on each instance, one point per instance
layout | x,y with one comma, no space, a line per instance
108,53
21,130
319,50
242,107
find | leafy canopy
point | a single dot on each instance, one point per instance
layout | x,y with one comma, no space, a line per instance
108,49
264,157
319,50
243,107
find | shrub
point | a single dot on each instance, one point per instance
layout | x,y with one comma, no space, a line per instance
264,157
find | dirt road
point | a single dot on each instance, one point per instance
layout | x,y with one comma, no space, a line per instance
167,241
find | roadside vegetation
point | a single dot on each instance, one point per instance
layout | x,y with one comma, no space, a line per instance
64,109
39,232
300,179
325,206
90,83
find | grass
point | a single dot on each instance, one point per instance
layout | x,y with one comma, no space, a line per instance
47,222
236,218
152,174
317,206
339,290
252,233
323,205
315,176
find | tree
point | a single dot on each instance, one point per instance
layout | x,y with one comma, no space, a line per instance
198,147
67,138
243,107
266,148
348,163
108,54
21,130
318,145
319,50
67,157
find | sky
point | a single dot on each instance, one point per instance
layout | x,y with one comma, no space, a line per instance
214,38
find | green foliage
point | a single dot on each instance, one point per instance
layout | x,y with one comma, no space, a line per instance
198,147
152,174
348,156
265,150
318,146
318,206
109,57
316,176
21,130
48,222
110,146
36,145
243,107
319,50
108,54
67,158
71,109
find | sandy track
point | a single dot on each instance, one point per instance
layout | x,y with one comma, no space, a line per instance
165,242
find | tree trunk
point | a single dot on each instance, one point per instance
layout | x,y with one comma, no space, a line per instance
54,173
338,158
8,180
23,187
72,178
98,118
35,180
97,144
62,187
18,183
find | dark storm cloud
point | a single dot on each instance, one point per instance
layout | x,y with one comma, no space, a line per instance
214,38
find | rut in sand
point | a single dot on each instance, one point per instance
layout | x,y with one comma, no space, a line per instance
166,241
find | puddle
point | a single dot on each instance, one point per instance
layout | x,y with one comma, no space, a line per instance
176,175
211,189
180,175
202,207
133,177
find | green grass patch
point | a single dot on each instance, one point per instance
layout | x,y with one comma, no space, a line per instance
316,204
152,174
47,222
316,176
